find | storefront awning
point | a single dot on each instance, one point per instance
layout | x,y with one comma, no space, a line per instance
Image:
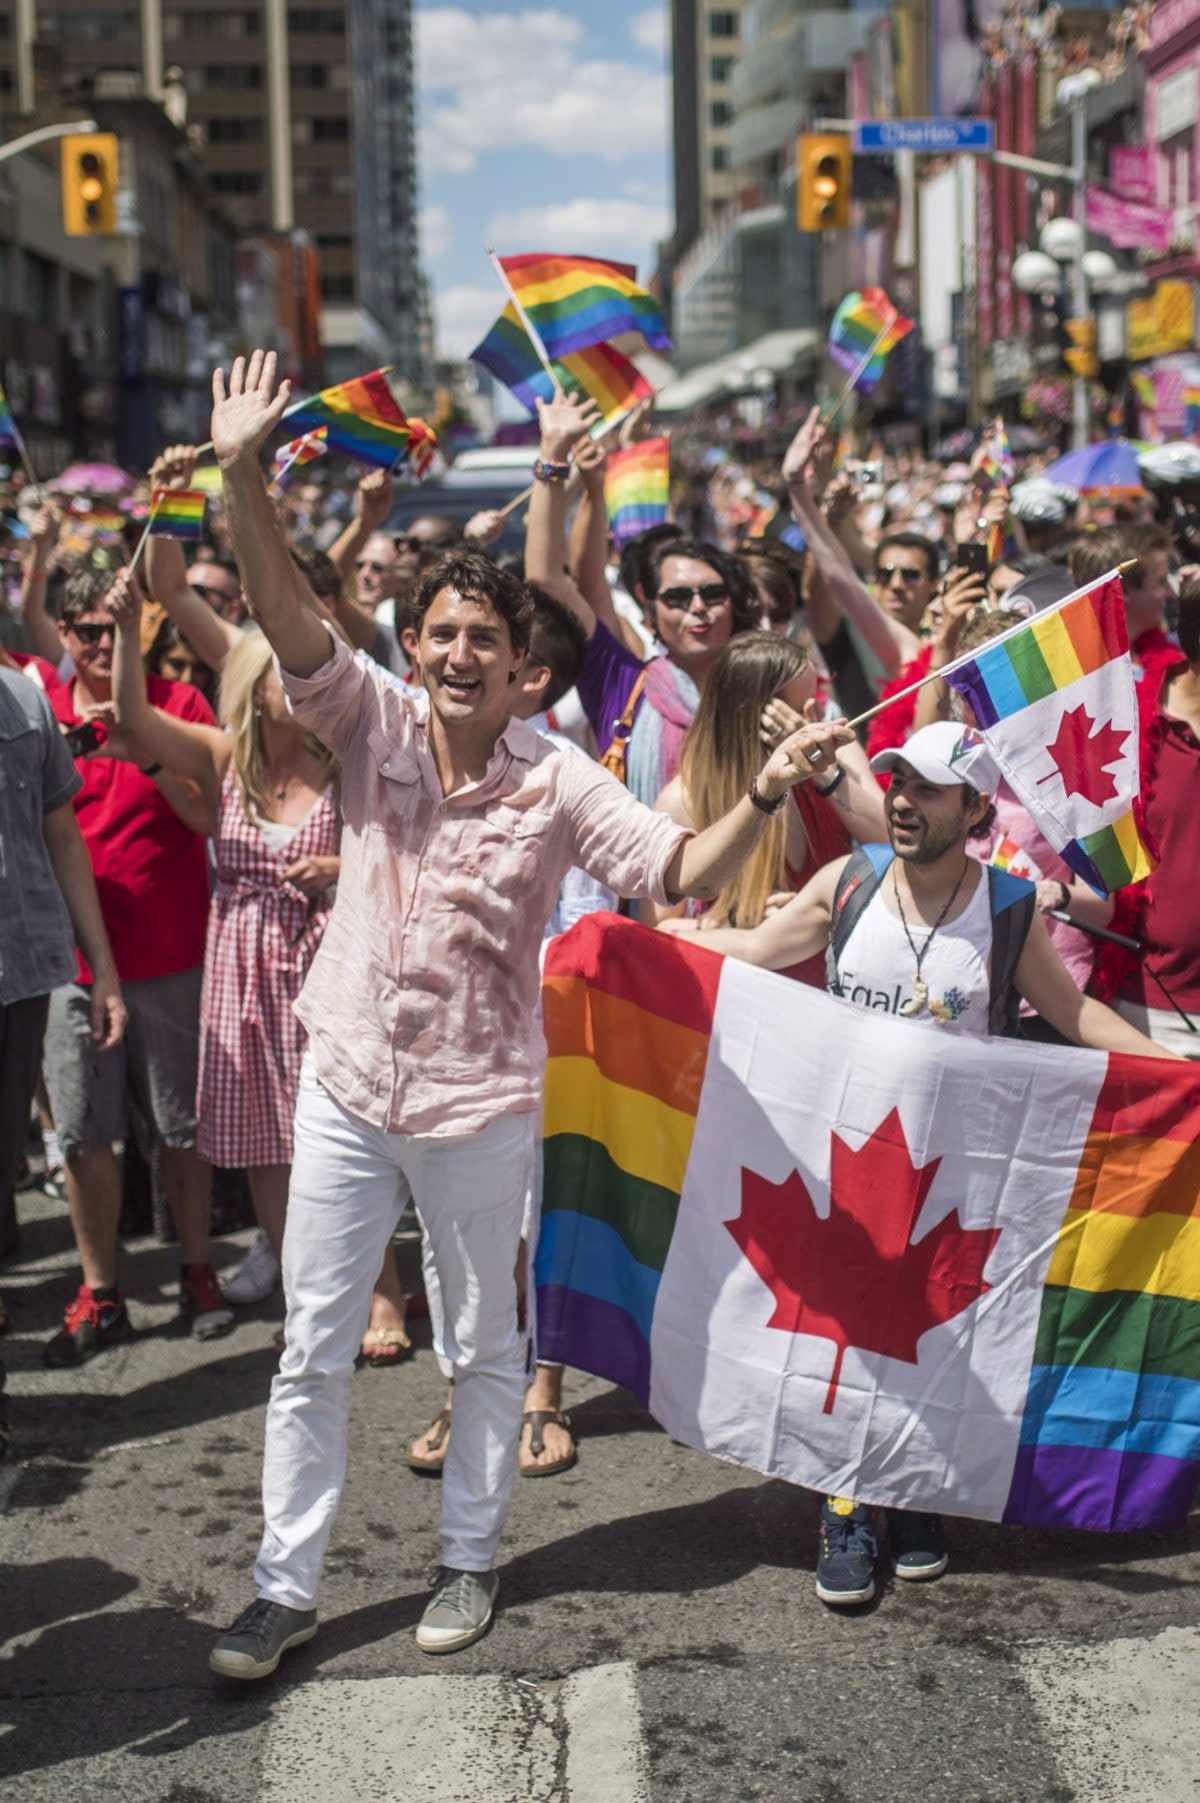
775,352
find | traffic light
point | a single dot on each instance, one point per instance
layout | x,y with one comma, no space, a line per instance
1080,356
823,182
89,184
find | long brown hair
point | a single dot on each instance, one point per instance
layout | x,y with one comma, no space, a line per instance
723,750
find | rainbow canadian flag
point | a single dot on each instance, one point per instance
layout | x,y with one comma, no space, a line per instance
855,1252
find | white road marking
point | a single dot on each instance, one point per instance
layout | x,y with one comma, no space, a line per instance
604,1736
1122,1716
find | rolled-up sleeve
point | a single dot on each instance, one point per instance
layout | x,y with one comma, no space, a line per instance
617,838
333,701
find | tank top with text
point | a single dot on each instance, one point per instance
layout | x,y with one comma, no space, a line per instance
877,966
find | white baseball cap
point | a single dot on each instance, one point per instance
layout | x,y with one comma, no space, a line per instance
945,753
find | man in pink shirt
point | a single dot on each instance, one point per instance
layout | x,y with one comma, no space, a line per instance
424,1073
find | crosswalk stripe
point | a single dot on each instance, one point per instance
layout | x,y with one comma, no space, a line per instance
604,1736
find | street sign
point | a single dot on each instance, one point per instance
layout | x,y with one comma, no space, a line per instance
937,137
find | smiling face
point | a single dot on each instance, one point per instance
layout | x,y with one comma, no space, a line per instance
925,820
904,583
467,657
375,570
90,639
694,627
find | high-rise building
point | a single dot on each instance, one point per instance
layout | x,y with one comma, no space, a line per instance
706,44
305,124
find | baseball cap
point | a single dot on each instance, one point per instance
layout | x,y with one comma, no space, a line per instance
945,753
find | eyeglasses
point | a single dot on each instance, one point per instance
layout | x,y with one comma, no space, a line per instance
906,573
711,593
90,632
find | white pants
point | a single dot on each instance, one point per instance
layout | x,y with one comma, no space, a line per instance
350,1184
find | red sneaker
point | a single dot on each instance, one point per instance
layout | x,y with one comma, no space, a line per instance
200,1297
89,1326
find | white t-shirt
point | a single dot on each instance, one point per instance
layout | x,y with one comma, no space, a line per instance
877,966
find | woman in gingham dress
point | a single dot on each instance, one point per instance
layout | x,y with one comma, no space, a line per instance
275,837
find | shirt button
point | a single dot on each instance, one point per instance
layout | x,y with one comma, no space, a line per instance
406,984
385,765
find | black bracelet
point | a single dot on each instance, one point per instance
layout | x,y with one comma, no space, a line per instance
760,801
1065,904
830,787
149,769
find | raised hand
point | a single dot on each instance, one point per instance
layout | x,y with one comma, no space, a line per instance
799,453
562,423
591,462
174,467
124,601
484,527
812,751
375,499
636,423
248,410
43,534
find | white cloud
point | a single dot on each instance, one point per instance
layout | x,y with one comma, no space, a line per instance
519,80
462,315
622,229
437,233
649,31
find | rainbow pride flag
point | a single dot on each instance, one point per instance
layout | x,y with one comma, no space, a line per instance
177,513
1008,855
857,326
422,447
998,458
1191,409
302,450
361,417
598,371
761,1214
573,302
637,487
1054,698
1144,389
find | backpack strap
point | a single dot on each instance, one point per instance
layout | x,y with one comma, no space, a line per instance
614,758
855,887
1013,902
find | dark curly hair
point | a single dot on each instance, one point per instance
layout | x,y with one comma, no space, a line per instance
730,569
480,579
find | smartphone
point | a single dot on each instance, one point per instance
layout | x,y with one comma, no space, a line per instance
83,738
972,557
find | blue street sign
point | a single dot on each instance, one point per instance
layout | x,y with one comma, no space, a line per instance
933,136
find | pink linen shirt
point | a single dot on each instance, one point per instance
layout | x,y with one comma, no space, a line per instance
421,1005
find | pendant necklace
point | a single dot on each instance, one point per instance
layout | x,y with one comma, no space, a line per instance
920,988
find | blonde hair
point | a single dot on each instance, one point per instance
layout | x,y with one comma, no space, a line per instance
723,750
241,673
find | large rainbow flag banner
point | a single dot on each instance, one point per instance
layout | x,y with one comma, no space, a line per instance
598,371
857,326
572,302
637,487
1055,700
362,418
761,1213
177,513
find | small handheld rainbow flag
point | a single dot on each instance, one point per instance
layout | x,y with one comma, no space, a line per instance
637,487
305,449
422,446
1008,855
1054,699
1143,387
1191,408
573,302
998,458
176,513
866,329
361,417
598,371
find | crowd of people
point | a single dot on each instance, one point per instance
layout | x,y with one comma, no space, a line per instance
283,828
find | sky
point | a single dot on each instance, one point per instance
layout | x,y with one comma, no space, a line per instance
540,129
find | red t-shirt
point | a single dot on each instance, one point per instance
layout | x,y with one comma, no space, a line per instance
38,670
893,726
151,870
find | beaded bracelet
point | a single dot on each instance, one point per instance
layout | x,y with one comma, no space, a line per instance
543,471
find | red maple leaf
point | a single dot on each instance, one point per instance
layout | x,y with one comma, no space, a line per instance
856,1278
1081,755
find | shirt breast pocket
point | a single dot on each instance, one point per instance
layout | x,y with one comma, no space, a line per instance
396,780
510,847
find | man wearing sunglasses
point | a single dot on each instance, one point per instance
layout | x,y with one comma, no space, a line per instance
152,879
906,570
220,585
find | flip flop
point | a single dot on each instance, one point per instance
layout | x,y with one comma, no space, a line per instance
436,1435
537,1419
383,1346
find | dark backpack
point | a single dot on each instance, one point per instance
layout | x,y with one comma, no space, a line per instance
1013,901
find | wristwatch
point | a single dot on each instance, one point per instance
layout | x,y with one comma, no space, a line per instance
760,801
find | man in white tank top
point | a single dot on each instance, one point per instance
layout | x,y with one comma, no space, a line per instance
920,948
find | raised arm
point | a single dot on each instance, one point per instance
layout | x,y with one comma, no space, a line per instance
182,746
562,424
210,637
1051,991
789,936
245,412
374,499
43,540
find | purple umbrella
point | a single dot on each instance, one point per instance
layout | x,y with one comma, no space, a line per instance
93,479
1108,468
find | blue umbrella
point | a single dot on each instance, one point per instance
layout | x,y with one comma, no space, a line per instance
1110,467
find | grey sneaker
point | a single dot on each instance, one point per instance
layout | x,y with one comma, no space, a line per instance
459,1611
259,1638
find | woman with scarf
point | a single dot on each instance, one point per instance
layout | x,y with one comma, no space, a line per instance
697,598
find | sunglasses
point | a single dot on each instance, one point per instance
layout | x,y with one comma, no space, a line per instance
90,632
366,563
905,572
711,593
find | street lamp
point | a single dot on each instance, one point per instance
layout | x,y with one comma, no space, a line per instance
1033,272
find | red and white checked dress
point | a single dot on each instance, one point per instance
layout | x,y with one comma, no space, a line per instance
262,937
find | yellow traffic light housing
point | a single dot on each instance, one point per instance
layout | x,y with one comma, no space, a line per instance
823,164
89,184
1081,358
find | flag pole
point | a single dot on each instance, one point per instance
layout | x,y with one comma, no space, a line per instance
277,478
141,544
859,367
511,506
524,318
968,657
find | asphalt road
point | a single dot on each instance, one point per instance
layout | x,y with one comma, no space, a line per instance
658,1641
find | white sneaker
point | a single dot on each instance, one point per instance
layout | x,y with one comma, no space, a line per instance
256,1277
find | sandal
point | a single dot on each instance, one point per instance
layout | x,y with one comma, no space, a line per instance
537,1419
436,1437
384,1346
